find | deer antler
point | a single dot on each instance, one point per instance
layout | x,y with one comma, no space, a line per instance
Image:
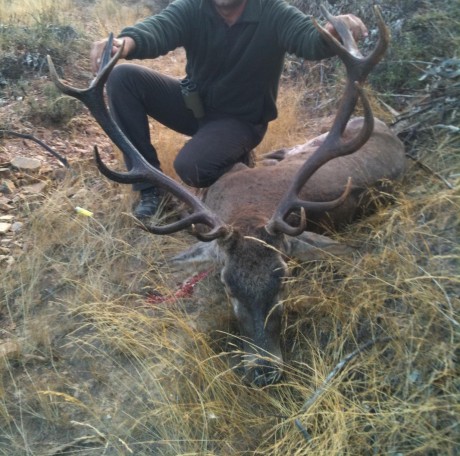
358,68
141,171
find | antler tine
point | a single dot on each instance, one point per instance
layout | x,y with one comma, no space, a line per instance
141,171
348,49
358,67
291,200
107,64
200,215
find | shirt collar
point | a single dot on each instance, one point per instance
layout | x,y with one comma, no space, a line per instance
251,13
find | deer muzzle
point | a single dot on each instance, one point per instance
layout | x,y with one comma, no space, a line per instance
262,370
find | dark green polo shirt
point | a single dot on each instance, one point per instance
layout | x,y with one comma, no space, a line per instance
237,68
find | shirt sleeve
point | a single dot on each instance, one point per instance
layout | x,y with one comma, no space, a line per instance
161,33
297,33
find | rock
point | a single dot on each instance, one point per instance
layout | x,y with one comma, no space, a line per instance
22,197
23,179
5,173
37,188
16,227
6,218
7,187
59,174
5,205
4,227
26,163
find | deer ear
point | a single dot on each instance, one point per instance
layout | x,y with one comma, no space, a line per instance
201,252
311,246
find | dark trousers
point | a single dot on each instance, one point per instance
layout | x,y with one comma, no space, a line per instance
217,141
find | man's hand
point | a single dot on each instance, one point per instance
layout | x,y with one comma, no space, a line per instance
98,47
354,24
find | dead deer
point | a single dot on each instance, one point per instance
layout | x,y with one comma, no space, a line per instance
249,219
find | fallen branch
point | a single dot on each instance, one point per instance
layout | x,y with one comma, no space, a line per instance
322,389
55,154
426,106
427,168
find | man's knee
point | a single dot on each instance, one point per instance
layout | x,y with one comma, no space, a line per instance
192,174
117,77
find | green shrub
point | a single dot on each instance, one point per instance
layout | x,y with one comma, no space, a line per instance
52,108
26,38
428,35
422,31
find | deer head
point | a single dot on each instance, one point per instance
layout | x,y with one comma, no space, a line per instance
251,246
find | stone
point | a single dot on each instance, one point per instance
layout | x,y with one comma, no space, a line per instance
5,207
26,163
5,173
4,227
16,227
7,187
4,201
35,189
59,174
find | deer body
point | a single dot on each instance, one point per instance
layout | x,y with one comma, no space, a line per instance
259,190
248,222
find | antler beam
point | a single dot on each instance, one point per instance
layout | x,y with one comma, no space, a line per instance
358,68
141,171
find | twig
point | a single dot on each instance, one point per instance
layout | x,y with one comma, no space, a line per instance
434,173
102,436
449,128
449,99
322,389
79,442
62,159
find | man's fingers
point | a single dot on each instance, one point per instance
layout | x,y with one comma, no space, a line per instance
95,54
357,27
353,23
117,42
98,48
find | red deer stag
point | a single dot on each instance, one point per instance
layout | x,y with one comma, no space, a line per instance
249,219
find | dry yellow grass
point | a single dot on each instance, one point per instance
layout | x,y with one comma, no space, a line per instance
99,370
29,11
152,379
